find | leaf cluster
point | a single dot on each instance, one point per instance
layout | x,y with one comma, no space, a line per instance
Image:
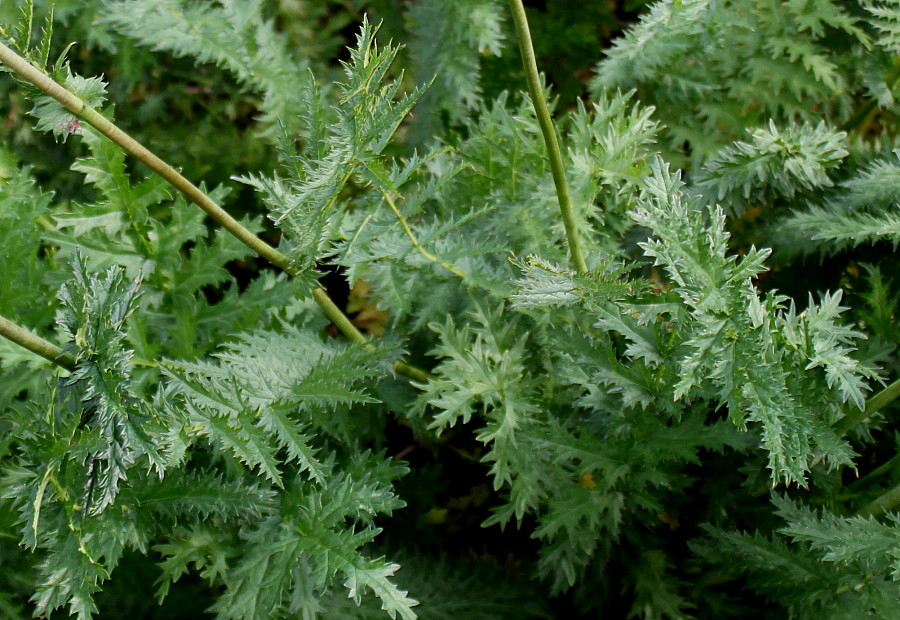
621,428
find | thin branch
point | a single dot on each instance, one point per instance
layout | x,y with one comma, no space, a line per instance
349,329
337,317
77,107
877,472
411,372
35,344
549,131
412,237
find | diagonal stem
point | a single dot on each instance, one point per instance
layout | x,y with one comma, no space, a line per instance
873,404
35,344
877,472
76,106
887,502
549,132
416,243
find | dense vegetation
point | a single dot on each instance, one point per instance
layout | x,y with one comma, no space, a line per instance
433,367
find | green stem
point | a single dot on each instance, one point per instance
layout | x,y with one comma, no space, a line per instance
877,472
412,237
886,503
354,335
411,372
102,124
535,89
336,316
77,107
35,344
873,404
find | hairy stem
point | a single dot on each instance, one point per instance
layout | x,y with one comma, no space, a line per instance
412,237
35,344
549,131
873,404
76,106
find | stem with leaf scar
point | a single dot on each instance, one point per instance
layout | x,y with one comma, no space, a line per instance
549,132
76,106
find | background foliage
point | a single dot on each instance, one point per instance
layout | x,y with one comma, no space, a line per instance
663,436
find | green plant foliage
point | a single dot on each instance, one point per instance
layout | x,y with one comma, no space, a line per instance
576,443
724,304
100,380
317,536
78,447
367,119
473,29
714,68
24,204
843,564
301,374
860,212
234,35
775,165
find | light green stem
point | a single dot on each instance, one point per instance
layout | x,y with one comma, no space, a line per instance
35,344
535,89
341,320
354,335
77,107
102,124
873,404
412,237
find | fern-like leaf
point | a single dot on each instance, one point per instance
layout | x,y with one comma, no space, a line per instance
94,321
233,34
774,163
732,327
275,384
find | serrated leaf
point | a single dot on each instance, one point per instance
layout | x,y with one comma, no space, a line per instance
54,118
